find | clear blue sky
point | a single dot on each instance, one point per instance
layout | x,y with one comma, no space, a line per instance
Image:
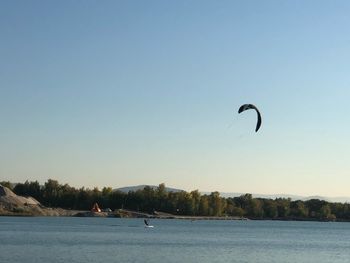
116,93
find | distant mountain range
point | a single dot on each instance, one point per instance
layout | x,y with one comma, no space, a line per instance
342,199
127,189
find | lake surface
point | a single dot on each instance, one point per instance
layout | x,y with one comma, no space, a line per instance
66,239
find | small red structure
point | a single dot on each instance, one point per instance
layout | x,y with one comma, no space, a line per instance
95,208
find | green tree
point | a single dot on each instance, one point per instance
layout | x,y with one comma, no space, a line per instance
314,206
255,208
51,192
232,209
283,207
326,213
270,208
196,197
298,209
216,204
204,206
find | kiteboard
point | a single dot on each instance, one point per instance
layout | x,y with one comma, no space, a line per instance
147,225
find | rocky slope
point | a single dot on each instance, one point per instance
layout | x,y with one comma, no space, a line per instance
12,204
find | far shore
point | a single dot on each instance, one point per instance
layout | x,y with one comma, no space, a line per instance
58,212
124,213
12,204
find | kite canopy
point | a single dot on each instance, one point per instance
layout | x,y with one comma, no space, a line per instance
245,107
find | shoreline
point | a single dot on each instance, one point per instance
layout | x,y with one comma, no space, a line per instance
122,213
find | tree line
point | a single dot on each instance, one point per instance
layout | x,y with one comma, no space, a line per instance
149,200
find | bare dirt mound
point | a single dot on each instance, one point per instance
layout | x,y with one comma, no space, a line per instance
15,205
7,197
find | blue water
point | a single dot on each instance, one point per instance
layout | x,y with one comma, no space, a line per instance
65,239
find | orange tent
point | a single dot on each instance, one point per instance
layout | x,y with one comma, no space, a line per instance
95,208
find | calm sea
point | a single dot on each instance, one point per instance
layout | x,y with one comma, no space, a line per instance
65,239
